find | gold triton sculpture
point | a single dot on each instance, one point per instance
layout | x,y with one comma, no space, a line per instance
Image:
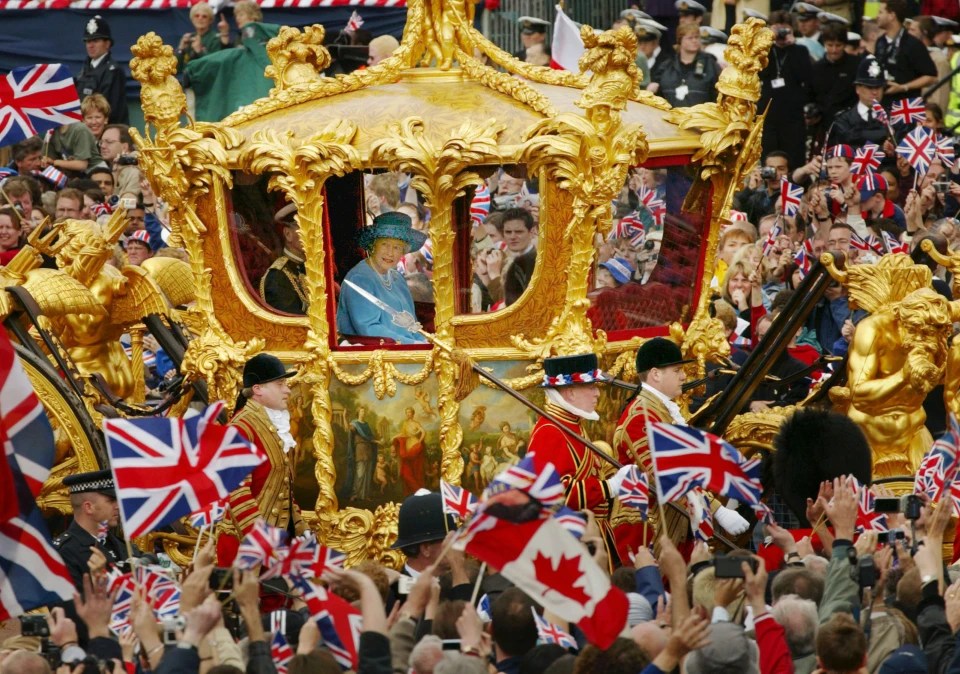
434,110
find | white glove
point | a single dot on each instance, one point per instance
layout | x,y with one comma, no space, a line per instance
731,521
617,480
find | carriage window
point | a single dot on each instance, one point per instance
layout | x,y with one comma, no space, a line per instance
375,237
647,268
498,249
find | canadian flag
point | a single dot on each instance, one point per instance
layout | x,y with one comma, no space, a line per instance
544,560
567,47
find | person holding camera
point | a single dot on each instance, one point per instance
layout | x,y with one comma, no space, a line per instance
786,85
116,148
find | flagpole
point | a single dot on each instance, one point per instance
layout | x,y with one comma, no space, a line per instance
196,548
476,585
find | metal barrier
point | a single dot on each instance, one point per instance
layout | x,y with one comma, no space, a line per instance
501,26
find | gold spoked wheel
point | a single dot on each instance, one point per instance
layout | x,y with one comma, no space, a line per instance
79,443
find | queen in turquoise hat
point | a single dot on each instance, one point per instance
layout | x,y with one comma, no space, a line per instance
386,241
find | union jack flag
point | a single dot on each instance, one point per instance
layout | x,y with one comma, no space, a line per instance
867,519
294,561
938,468
918,148
339,623
99,209
908,111
945,150
653,203
32,572
483,609
572,521
327,558
763,513
804,257
546,487
895,245
867,158
701,519
205,517
858,242
159,590
34,99
790,196
280,650
165,469
457,500
353,23
258,546
480,205
548,633
771,242
103,527
630,227
685,457
879,113
634,491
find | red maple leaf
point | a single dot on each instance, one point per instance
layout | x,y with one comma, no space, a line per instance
561,578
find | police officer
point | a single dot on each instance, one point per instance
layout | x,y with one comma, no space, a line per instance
422,527
859,124
101,74
95,511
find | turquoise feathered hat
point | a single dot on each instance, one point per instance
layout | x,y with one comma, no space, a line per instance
391,225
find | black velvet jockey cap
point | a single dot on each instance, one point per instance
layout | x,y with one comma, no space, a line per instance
263,369
570,370
659,352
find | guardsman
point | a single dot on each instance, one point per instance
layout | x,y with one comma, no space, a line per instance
95,512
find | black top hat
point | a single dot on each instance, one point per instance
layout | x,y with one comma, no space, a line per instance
569,370
659,352
100,481
422,520
870,73
97,29
263,369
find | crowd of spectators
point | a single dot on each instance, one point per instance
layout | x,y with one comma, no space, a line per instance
838,602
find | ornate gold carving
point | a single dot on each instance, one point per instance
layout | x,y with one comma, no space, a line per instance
298,58
362,534
384,373
506,84
897,356
181,165
588,157
754,432
299,171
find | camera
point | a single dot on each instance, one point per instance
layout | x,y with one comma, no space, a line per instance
892,536
782,34
866,572
170,628
34,626
910,505
727,566
221,579
941,186
127,160
768,173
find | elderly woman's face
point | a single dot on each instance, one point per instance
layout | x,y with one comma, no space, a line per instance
386,254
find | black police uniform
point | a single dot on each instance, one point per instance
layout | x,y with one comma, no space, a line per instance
833,88
785,85
74,546
849,128
686,84
906,58
283,286
107,78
